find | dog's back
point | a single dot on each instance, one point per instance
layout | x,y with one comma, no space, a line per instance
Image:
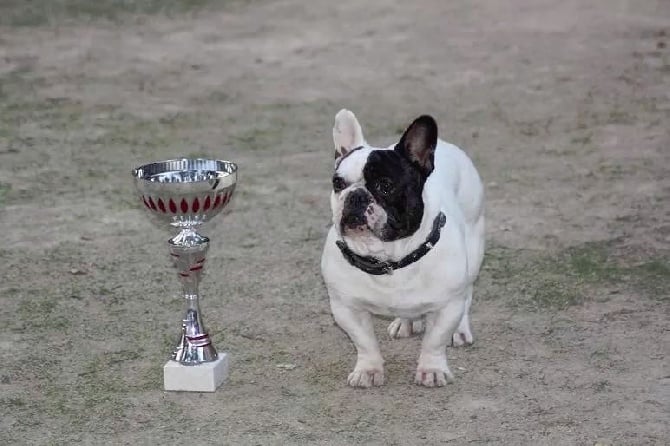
458,174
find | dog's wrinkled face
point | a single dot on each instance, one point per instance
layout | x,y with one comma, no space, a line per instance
377,193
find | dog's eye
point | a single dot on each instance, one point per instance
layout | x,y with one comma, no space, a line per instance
385,186
338,184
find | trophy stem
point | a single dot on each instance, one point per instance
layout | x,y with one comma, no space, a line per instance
188,249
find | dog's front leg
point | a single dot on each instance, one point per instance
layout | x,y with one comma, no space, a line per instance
432,369
369,369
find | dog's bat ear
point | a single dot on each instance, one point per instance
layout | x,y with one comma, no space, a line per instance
418,143
347,133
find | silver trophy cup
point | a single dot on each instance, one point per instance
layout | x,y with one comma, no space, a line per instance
182,195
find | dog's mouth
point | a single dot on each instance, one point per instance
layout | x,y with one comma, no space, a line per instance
354,225
361,223
356,231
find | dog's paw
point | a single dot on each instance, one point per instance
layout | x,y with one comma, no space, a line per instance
361,377
432,371
433,377
462,337
404,328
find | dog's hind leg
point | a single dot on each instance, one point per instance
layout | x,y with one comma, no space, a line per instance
404,328
463,334
476,244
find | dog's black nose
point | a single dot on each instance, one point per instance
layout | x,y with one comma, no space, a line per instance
353,213
357,199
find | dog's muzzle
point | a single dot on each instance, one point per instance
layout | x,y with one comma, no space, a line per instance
354,212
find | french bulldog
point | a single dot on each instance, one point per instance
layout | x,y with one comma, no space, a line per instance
407,242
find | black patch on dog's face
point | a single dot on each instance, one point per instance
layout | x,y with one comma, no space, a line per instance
396,184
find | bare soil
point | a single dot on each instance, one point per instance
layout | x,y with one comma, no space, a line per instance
564,106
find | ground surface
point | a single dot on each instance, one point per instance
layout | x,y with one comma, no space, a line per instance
564,106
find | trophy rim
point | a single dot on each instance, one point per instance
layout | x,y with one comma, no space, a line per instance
147,172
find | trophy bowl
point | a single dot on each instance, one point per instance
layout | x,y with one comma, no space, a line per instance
185,193
181,195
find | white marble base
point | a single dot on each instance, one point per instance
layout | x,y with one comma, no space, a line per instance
205,377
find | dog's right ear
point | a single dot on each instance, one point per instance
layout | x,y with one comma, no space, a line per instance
347,133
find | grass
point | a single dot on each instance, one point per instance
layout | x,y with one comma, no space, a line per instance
17,88
46,12
43,314
269,122
99,392
589,263
12,403
653,277
4,191
68,378
549,282
140,134
30,123
324,375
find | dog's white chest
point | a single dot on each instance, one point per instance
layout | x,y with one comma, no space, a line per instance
412,291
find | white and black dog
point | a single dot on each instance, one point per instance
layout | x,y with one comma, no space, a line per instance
407,241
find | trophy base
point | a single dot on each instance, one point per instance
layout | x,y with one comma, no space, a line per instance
205,377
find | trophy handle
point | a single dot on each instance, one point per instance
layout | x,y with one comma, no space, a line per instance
188,250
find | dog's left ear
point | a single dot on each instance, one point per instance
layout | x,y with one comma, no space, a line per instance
347,133
418,143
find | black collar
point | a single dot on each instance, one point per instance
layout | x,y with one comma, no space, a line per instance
377,267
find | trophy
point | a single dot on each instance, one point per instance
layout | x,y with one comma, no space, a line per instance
182,195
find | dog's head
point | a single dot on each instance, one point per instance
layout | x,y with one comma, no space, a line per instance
377,193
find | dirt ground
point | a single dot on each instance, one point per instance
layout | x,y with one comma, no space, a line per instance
563,105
